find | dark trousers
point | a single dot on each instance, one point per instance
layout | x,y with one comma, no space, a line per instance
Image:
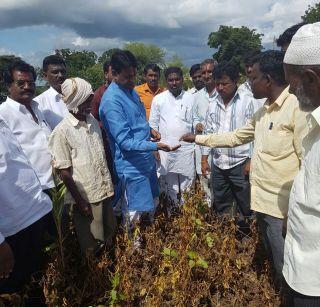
270,228
229,185
28,249
300,300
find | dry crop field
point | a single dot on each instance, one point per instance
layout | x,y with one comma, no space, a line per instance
189,259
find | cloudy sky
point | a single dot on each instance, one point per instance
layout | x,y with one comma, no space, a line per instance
33,29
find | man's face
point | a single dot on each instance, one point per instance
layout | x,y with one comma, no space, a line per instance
197,79
108,74
85,108
152,78
226,87
298,87
258,82
174,84
207,74
22,88
248,69
126,77
55,75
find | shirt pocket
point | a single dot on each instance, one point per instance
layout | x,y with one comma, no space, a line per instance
277,142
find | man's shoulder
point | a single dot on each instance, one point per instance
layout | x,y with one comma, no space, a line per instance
140,88
48,93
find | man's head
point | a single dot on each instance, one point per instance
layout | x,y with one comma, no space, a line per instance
107,71
226,76
248,62
267,73
20,78
174,79
77,94
285,38
124,68
54,71
302,66
151,75
207,69
195,74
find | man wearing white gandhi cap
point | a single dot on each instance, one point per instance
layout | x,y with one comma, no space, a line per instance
302,244
78,155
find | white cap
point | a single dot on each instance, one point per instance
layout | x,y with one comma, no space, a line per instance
304,48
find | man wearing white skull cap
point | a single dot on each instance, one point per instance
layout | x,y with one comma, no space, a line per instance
302,244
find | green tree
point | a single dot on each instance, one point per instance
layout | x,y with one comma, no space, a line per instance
233,43
312,14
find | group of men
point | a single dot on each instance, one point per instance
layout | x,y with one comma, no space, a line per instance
268,127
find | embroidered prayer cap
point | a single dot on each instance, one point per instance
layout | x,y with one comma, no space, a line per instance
304,48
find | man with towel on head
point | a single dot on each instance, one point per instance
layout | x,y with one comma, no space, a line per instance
78,154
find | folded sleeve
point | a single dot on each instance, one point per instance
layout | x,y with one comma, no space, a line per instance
60,150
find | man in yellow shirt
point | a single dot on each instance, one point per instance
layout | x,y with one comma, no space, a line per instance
151,88
277,130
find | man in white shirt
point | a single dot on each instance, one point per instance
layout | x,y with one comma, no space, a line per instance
202,100
24,212
50,101
172,114
25,120
301,267
195,75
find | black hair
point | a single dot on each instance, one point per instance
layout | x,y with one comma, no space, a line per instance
194,68
106,65
54,59
173,70
229,69
249,56
17,65
286,37
271,63
153,67
122,59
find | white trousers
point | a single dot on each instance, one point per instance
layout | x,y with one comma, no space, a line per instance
174,185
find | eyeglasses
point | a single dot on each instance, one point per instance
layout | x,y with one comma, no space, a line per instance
22,83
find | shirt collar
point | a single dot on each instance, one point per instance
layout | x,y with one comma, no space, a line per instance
316,115
213,94
283,96
147,89
19,106
178,97
54,93
75,122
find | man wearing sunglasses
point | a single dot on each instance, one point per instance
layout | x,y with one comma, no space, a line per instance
23,117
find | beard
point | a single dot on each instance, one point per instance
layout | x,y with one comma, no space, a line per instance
305,103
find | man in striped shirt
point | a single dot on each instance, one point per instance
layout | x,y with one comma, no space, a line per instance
229,110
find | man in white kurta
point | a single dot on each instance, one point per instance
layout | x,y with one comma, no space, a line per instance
172,115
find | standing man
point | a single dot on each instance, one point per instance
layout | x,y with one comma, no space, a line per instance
24,211
231,109
124,118
78,155
202,100
26,121
172,115
147,91
195,75
50,102
277,130
301,267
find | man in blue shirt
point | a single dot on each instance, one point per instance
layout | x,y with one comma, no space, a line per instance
132,141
